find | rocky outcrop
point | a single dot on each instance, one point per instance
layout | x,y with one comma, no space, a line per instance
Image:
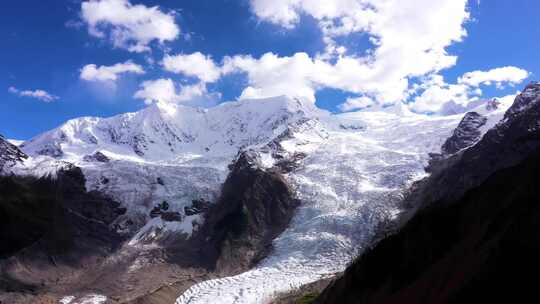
51,224
256,205
9,154
96,157
512,140
466,134
475,234
482,248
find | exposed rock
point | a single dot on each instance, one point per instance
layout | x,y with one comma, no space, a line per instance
507,144
9,154
197,207
159,209
493,104
287,165
96,157
170,216
476,235
466,134
53,227
527,99
255,206
482,248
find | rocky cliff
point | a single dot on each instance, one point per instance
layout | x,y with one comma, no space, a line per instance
475,236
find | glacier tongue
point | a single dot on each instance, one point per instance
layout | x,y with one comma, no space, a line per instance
349,184
353,172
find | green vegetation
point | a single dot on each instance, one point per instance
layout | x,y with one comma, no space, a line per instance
307,299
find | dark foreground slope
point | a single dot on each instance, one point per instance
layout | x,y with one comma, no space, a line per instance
254,207
484,247
476,236
57,239
49,226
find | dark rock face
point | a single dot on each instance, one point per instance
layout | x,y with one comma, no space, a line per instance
9,154
493,104
527,99
466,134
476,235
515,138
482,248
171,216
46,223
287,165
197,207
255,206
97,157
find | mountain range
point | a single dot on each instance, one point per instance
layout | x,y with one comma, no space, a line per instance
251,201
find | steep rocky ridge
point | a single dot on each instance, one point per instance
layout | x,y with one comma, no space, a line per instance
466,134
9,154
475,237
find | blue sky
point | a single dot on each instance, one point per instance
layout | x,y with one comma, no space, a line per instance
45,44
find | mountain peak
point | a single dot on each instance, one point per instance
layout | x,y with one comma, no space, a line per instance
525,100
164,131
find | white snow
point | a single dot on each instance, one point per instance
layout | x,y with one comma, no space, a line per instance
356,169
87,299
15,142
348,185
153,228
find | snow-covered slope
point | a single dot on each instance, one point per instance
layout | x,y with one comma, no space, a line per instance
168,153
349,184
355,169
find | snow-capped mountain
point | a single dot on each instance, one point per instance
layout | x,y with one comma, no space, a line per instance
163,132
349,171
171,153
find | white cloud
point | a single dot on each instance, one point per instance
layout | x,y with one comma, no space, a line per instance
272,75
37,94
164,91
131,27
437,94
92,72
301,76
498,76
194,65
356,103
409,39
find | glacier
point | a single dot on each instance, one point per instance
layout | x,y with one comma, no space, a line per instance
356,169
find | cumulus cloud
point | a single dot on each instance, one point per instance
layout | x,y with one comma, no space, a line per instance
193,65
37,94
127,26
92,72
498,76
436,93
355,103
409,40
272,75
164,91
301,76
